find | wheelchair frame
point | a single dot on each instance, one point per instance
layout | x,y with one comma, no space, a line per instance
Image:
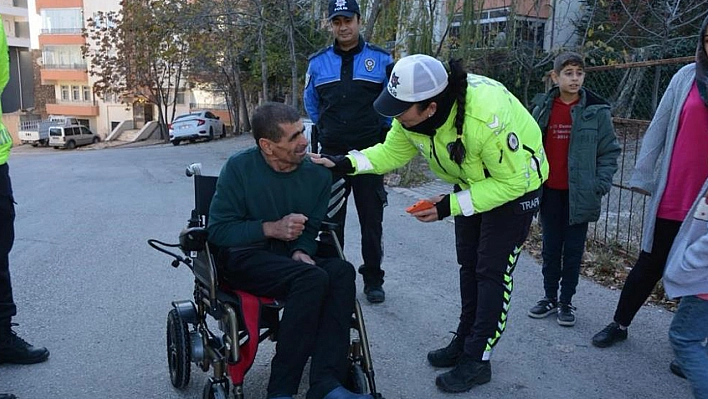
189,339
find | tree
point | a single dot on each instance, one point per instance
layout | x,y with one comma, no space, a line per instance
139,53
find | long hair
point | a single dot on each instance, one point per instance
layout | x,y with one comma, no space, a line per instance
457,91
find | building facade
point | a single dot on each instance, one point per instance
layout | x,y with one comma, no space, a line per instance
18,96
64,67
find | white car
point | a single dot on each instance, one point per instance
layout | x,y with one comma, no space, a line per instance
196,125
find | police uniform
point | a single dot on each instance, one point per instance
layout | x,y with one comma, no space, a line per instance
496,195
340,89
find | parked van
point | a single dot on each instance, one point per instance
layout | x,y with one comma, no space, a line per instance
71,136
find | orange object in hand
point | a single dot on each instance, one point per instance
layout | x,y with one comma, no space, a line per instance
420,206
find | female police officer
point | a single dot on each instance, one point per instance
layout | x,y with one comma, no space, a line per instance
476,135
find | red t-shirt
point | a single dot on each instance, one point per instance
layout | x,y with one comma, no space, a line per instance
557,142
688,169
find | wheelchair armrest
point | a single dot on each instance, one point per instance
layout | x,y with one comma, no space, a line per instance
193,239
328,226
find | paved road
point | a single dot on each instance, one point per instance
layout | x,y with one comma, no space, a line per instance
89,288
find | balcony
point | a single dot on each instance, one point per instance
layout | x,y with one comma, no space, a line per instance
40,4
74,108
62,31
71,72
52,38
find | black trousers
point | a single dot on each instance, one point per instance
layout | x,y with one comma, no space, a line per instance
563,246
488,248
7,238
370,199
646,271
319,302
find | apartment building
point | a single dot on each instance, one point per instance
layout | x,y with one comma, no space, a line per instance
64,67
546,24
18,94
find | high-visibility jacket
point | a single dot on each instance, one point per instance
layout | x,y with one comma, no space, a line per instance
504,160
5,139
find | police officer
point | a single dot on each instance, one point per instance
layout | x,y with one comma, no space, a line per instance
342,82
13,349
479,137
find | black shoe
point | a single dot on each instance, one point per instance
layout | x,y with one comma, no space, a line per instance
543,308
14,349
566,315
609,335
374,293
465,375
449,355
7,396
676,369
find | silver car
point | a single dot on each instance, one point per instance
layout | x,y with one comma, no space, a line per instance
196,125
71,136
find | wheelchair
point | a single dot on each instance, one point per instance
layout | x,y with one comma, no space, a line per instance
243,320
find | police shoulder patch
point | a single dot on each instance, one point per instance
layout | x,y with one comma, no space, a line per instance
512,140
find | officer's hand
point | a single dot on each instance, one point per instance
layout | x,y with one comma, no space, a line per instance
288,228
301,256
427,215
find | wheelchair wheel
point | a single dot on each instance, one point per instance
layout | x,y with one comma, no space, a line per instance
214,391
178,350
356,379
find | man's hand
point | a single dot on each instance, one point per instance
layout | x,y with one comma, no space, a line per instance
302,257
320,160
288,228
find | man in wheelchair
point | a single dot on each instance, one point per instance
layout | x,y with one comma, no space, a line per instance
263,220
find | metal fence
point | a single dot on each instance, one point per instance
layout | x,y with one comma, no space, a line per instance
634,91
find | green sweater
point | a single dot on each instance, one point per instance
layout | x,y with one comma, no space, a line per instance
249,192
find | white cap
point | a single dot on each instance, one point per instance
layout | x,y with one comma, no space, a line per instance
413,79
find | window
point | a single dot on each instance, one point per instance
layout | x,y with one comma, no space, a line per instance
87,93
68,131
65,93
83,122
62,20
84,130
63,57
180,97
75,93
210,115
102,20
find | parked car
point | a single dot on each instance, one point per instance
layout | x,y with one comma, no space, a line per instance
196,125
36,132
71,136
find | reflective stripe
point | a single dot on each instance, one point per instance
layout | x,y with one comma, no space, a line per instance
362,162
5,136
464,198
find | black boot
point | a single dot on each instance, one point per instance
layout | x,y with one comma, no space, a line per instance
449,355
14,349
7,396
373,284
465,375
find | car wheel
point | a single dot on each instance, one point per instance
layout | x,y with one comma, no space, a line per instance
95,140
223,131
211,134
175,142
71,145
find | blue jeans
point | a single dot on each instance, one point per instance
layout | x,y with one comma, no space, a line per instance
688,331
563,246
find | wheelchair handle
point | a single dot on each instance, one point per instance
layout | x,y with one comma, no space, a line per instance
156,244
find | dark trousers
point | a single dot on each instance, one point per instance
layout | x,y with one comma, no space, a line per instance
7,238
646,271
319,302
370,199
563,246
488,247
